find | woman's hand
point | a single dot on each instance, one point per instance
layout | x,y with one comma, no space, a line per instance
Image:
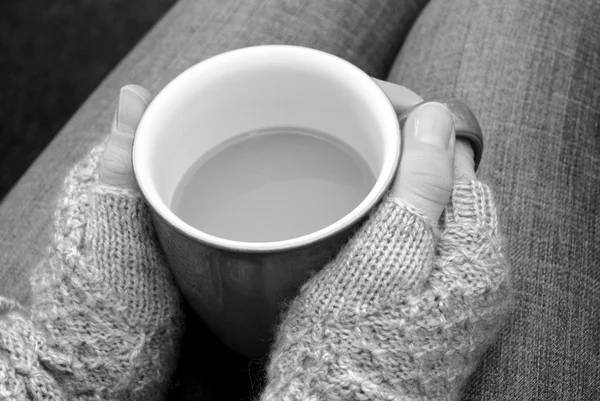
116,167
431,156
408,306
105,319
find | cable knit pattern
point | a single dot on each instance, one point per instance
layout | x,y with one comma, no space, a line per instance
403,313
105,322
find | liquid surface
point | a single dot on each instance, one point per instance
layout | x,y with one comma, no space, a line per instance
272,185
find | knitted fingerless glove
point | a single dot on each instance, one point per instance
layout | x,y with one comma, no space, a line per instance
105,322
404,311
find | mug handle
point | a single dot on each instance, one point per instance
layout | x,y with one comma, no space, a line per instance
465,123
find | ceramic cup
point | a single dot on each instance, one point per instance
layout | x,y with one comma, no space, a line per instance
238,288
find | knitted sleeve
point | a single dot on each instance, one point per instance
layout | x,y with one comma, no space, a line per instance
105,319
403,313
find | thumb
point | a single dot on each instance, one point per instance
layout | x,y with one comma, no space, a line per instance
426,172
116,165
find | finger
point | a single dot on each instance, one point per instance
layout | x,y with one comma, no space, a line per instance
470,251
425,176
464,163
401,98
116,167
133,101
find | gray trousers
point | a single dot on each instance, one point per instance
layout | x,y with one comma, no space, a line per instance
531,72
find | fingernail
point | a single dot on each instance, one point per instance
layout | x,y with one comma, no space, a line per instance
433,125
132,105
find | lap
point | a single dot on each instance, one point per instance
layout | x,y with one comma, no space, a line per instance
529,70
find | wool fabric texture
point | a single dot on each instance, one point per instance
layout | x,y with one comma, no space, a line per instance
403,312
105,320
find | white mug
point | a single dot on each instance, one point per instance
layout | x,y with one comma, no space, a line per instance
237,288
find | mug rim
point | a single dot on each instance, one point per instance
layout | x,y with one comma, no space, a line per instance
384,178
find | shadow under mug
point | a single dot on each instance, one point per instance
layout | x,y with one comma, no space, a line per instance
238,289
